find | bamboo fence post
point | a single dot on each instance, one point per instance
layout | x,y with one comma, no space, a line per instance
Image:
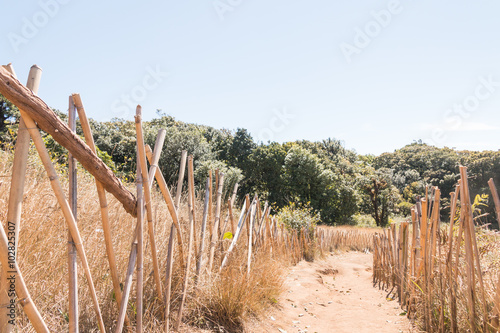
253,213
241,220
48,121
475,253
191,232
153,162
459,236
203,230
193,203
231,219
465,213
14,207
247,222
233,196
127,283
141,153
453,300
59,193
216,188
170,253
72,267
182,170
496,199
215,234
262,218
210,204
106,226
140,247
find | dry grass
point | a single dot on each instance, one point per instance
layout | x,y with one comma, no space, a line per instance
346,238
222,301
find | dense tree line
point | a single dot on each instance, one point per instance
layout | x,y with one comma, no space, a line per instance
334,181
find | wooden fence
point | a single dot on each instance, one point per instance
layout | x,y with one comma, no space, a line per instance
440,273
254,230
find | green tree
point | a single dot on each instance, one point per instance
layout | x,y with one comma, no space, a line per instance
380,198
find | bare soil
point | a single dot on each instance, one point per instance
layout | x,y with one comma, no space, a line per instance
334,295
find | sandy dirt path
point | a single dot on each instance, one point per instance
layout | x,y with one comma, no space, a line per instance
334,295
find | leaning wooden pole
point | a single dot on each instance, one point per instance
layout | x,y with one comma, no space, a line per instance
155,155
168,200
48,121
16,192
241,221
127,285
73,199
68,215
103,203
147,198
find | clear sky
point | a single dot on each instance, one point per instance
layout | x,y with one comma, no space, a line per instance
375,74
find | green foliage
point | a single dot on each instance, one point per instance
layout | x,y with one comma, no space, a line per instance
298,217
306,179
9,116
338,184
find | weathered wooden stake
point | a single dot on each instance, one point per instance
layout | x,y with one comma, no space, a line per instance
72,267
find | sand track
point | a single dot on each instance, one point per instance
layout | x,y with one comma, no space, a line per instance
334,295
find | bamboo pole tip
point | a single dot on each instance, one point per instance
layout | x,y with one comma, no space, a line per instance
138,114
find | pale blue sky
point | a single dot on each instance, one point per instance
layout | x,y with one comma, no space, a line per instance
240,67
